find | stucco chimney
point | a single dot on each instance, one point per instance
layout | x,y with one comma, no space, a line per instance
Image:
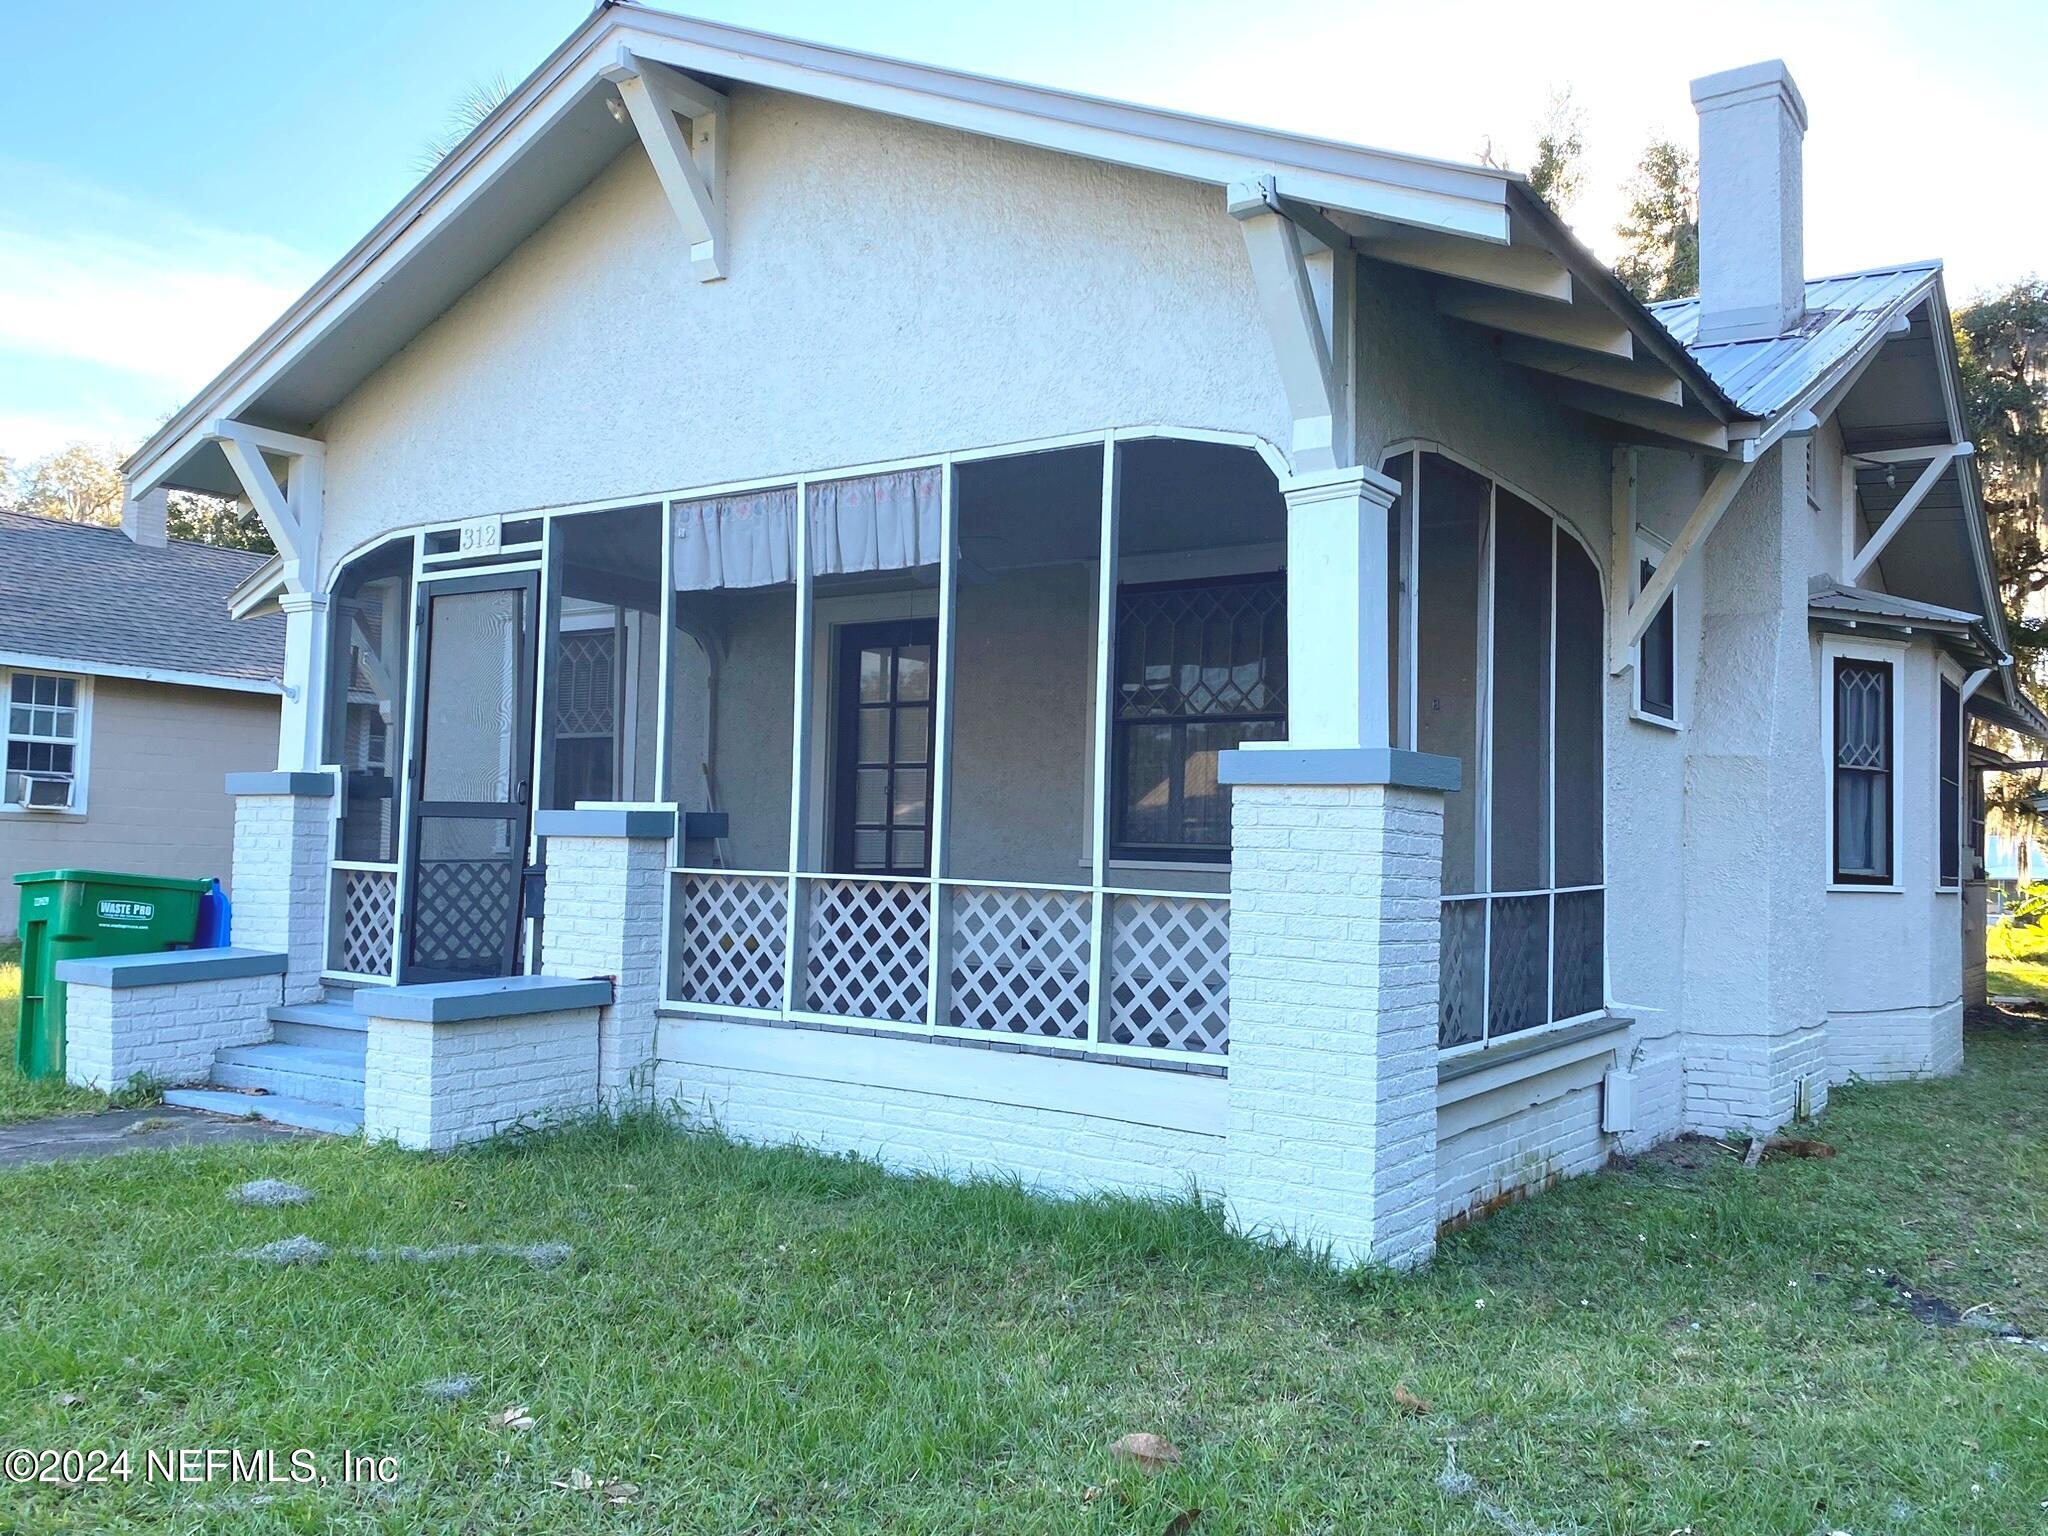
1752,246
143,519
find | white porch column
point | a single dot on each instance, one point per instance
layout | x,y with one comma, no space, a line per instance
1336,850
284,826
603,918
301,723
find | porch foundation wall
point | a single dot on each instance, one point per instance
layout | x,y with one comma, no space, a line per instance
279,888
1522,1153
919,1107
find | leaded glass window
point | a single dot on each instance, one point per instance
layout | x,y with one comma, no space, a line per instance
1863,772
1950,819
1201,669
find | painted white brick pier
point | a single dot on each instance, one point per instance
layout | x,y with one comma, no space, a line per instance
606,868
1333,992
284,833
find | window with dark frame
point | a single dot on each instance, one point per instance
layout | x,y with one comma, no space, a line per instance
1863,753
1200,669
883,826
1951,810
1656,657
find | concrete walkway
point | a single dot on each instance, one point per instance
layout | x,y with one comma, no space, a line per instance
64,1137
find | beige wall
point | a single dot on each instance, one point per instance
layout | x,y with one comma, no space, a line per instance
156,803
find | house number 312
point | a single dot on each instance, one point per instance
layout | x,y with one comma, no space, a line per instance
478,536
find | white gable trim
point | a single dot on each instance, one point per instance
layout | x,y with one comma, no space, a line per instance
1430,195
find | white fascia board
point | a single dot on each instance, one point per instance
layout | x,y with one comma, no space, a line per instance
1425,194
167,675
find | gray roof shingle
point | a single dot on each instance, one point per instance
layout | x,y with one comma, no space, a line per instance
91,596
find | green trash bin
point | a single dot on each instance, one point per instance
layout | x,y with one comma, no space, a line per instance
72,914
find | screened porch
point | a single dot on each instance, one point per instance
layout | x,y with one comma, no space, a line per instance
923,786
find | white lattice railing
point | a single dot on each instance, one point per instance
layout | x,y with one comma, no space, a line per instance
1019,961
365,908
728,936
867,949
1169,972
1013,961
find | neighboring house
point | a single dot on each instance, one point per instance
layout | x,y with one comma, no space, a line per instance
129,692
1008,631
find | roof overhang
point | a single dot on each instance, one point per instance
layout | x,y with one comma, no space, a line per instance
256,595
169,676
1857,610
555,132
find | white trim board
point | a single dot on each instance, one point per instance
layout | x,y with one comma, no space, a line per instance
1891,653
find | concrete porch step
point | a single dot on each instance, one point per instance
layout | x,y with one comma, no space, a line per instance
329,1026
294,1071
276,1108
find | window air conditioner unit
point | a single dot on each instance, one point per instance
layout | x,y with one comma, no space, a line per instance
46,792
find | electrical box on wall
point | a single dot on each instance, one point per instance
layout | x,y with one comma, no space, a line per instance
1618,1101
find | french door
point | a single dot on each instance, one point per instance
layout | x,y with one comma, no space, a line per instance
471,789
883,794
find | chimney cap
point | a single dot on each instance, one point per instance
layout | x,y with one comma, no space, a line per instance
1750,82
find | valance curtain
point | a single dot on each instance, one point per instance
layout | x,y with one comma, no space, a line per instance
876,523
736,541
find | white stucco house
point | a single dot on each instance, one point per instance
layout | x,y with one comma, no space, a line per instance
1013,632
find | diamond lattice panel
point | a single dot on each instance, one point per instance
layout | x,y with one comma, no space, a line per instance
1461,973
1578,978
1019,961
868,949
1518,964
729,939
464,913
364,930
1169,972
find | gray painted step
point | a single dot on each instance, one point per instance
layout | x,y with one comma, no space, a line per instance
273,1107
293,1071
323,1026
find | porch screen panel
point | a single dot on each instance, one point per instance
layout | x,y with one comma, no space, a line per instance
1511,681
1519,815
1581,686
1450,622
602,658
1017,799
370,629
729,716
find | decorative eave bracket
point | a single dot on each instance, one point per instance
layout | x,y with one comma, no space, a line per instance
1306,274
1938,461
689,163
290,507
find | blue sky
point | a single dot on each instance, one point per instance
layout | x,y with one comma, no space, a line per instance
166,198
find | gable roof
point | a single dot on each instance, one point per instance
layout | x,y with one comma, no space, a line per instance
91,600
554,132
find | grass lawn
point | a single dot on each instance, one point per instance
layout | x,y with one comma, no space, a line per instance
780,1342
19,1098
2016,961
